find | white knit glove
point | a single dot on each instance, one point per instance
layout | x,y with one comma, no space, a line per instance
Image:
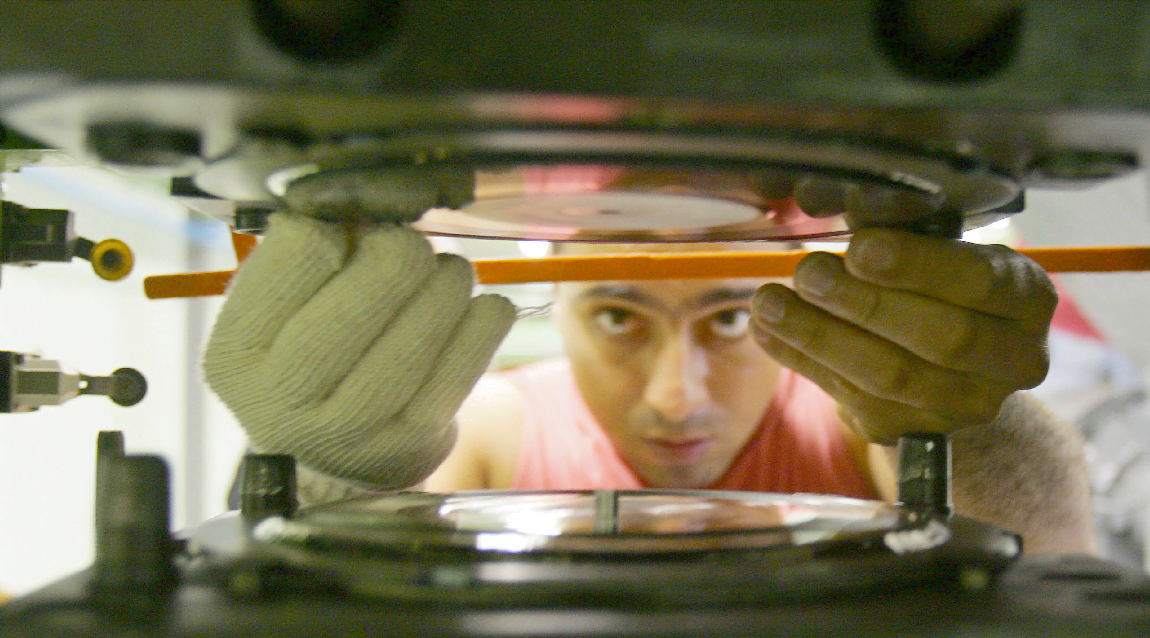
352,359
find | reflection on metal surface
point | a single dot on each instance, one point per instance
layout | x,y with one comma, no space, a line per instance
627,186
642,522
618,549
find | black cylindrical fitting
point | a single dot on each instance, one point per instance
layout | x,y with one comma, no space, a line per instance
109,448
133,549
924,473
268,487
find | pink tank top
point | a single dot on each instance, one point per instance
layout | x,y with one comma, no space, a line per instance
799,447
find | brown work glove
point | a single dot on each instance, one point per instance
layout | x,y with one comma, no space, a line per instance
912,333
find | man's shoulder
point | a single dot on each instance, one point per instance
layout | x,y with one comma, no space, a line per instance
493,399
491,427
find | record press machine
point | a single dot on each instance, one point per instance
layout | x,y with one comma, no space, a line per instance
566,120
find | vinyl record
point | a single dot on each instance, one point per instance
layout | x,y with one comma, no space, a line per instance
631,187
621,549
590,522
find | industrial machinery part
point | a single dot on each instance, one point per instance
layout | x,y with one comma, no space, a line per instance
620,121
604,563
602,120
28,382
32,235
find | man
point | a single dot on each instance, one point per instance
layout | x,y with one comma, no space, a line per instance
355,358
663,386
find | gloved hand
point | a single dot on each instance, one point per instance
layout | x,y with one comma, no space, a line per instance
352,353
911,333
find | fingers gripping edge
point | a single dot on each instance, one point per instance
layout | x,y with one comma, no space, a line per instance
297,257
407,448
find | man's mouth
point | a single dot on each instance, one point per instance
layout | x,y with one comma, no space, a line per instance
681,451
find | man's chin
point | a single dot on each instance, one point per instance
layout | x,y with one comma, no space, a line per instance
672,477
686,454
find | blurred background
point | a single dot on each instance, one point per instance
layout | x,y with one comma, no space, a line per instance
1099,348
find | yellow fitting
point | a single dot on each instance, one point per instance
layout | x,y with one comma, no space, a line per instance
112,260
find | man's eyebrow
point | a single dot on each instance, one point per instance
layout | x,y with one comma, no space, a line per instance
634,295
721,295
627,293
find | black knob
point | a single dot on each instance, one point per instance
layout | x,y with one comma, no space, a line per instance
109,444
924,473
125,386
109,449
251,220
128,386
268,486
133,549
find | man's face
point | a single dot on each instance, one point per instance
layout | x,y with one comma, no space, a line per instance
670,371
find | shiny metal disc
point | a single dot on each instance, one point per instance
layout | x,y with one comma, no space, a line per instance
571,185
585,522
607,548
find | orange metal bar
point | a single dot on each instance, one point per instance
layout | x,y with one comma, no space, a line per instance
1092,259
652,266
192,284
244,244
669,266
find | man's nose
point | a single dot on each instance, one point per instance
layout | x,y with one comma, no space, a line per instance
677,385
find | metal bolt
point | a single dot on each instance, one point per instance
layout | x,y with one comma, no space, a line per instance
606,512
268,486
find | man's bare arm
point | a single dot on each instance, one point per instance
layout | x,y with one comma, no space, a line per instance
1026,472
490,434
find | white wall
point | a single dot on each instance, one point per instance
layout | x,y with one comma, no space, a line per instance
64,312
1116,213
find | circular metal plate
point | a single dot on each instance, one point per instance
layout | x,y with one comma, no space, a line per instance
470,165
569,185
621,549
607,213
586,522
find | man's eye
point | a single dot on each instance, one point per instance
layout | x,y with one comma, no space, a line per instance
615,321
730,324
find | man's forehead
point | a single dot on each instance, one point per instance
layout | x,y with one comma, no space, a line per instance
671,296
